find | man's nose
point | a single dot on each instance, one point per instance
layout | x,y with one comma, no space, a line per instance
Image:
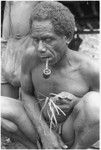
41,47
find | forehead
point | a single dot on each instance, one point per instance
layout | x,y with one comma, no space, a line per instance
42,27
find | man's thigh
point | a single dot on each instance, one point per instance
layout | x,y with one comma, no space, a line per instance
13,110
83,119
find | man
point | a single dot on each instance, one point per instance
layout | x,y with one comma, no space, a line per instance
68,72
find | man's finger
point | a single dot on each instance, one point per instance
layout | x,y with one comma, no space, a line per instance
8,125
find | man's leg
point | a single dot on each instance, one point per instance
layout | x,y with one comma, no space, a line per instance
16,122
10,130
81,129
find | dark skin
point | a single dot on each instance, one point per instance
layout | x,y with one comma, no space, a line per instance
13,122
81,75
78,67
71,72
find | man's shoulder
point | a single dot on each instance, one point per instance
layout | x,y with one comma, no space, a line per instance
30,52
89,70
28,59
89,63
79,58
89,67
85,63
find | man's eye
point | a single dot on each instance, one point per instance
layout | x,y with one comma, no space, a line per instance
48,40
35,40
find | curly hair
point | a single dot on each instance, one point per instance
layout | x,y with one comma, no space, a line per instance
60,16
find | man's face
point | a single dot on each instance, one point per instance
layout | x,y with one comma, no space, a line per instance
47,43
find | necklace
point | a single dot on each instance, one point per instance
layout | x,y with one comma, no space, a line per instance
46,71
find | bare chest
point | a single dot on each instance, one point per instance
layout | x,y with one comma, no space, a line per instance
59,81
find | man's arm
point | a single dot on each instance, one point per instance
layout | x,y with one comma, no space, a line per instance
90,71
9,91
94,73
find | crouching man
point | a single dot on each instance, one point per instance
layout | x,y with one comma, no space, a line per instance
59,86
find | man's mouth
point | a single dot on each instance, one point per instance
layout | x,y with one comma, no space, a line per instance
50,57
46,57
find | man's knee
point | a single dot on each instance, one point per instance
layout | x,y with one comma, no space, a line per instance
11,109
91,103
89,106
86,119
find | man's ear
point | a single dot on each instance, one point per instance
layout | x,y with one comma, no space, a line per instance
68,40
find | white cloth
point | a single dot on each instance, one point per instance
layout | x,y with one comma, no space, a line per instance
16,18
16,32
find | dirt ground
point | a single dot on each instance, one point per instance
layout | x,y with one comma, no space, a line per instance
89,46
7,143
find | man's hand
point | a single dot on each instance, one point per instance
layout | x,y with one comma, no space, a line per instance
63,97
64,100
